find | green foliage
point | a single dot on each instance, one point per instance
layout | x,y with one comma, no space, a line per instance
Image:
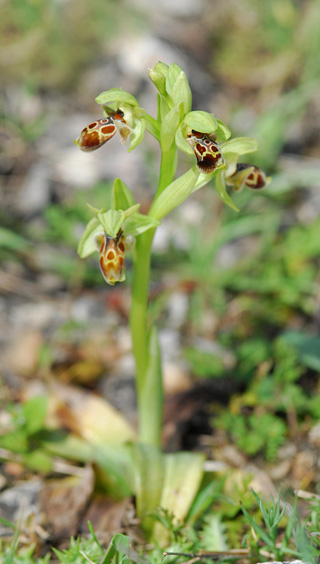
81,551
307,347
255,433
11,555
72,39
21,436
204,364
271,391
271,516
295,541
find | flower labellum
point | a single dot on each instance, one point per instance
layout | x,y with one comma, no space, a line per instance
99,132
112,258
248,175
206,150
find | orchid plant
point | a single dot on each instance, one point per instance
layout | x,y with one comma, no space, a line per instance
115,232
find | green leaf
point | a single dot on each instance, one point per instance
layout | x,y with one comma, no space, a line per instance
169,128
222,191
34,412
116,95
201,121
291,522
138,223
87,244
12,241
69,446
149,475
7,523
122,197
120,552
308,347
204,499
114,469
118,546
259,530
15,441
38,460
176,193
182,477
181,92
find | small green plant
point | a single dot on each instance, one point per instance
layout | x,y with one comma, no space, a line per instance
255,433
22,432
279,536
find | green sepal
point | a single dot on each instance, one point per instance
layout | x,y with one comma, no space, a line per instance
113,220
181,142
169,127
176,193
240,146
136,134
116,95
138,223
232,149
204,123
158,76
181,92
87,243
221,189
201,121
94,210
122,197
222,132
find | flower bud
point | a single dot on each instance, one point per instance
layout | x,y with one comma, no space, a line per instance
248,175
99,132
158,76
112,258
206,150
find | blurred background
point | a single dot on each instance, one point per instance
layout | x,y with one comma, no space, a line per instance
225,286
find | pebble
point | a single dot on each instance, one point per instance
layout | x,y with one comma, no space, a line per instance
34,194
21,500
38,315
314,435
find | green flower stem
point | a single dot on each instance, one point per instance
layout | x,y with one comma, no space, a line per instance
168,168
150,418
139,305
